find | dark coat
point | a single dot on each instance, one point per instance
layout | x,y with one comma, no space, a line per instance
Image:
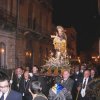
16,83
68,84
13,95
24,89
80,84
76,77
81,81
34,77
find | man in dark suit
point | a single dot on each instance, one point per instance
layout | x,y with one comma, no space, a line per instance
76,76
5,92
83,85
24,86
18,76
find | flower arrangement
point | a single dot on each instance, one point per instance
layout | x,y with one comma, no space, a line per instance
54,63
57,62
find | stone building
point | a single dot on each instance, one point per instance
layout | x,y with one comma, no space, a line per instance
25,27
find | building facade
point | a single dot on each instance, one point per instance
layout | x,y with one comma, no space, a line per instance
25,27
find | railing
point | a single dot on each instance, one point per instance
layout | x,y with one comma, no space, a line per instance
7,15
8,23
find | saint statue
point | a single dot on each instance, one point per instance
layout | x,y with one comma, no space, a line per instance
60,42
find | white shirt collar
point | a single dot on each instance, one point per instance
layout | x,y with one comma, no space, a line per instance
86,80
0,94
6,94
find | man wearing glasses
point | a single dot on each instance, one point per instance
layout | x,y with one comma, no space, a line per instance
5,92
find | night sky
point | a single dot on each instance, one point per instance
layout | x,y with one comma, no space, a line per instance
83,15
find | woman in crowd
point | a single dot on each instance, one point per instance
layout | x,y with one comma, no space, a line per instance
36,91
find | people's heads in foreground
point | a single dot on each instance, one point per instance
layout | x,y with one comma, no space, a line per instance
86,73
18,72
35,87
66,74
36,91
77,69
93,72
4,82
26,75
34,69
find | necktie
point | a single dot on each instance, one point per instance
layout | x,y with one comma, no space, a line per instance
2,97
83,86
25,84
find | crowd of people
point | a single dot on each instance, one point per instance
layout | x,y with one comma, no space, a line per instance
31,85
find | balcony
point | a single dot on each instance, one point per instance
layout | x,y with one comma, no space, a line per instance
8,23
7,20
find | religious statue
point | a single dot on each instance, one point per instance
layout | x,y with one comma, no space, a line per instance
58,60
60,42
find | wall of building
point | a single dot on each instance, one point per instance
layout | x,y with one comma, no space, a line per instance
33,16
37,18
9,40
